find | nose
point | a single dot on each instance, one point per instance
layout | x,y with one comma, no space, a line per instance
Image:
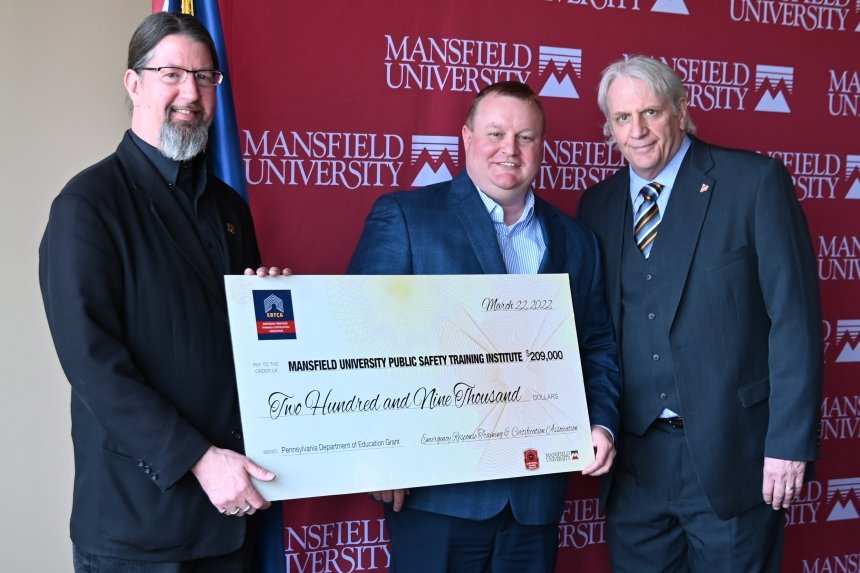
638,127
189,88
510,144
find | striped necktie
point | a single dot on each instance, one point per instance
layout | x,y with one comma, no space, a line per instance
647,218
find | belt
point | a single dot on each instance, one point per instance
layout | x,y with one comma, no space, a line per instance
674,421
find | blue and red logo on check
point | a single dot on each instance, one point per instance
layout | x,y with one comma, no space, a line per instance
273,310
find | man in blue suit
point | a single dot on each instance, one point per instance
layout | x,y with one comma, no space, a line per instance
488,220
712,286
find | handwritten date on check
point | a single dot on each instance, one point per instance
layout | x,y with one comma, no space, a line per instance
359,383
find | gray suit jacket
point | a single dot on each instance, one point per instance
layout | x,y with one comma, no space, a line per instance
445,229
745,334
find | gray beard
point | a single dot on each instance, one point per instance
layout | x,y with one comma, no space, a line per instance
183,140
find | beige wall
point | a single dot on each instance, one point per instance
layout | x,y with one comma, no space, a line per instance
62,107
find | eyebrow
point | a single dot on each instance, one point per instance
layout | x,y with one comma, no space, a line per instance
495,125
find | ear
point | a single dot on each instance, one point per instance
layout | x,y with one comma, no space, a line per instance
132,81
467,136
682,113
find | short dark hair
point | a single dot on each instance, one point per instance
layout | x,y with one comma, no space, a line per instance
158,26
512,89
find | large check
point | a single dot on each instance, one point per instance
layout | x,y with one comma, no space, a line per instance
361,383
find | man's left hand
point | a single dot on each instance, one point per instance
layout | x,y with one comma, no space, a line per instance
604,452
782,481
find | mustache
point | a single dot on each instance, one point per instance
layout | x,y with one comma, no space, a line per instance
202,116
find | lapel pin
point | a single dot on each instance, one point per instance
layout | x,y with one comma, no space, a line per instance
231,228
704,188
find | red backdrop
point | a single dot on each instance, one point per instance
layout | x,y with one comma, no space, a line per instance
339,102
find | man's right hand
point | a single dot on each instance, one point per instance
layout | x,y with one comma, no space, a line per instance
268,272
225,476
395,497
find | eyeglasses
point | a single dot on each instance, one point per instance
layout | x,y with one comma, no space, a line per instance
172,75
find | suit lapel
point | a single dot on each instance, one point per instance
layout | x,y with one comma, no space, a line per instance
477,225
167,213
688,205
617,213
555,257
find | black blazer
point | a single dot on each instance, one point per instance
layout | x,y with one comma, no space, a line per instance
139,321
746,321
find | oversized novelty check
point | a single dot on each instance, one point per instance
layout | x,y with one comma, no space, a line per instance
362,383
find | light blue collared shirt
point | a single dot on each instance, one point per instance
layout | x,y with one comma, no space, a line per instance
522,244
666,178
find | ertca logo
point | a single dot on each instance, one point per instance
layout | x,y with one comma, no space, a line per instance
273,312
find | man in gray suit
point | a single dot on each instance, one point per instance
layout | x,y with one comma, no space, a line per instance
711,283
488,220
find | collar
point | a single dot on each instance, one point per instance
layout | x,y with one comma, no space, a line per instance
169,168
497,214
666,177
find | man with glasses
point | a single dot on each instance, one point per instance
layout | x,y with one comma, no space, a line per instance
131,267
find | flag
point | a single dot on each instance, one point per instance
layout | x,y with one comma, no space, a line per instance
223,148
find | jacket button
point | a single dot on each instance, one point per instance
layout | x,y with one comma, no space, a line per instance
655,357
154,477
663,396
648,276
236,434
651,316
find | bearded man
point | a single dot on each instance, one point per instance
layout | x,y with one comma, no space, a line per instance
131,269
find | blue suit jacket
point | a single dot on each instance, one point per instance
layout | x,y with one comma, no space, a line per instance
745,330
445,229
